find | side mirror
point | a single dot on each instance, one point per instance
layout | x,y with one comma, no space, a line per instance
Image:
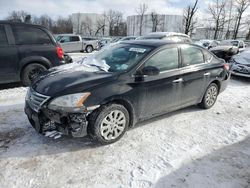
150,71
62,41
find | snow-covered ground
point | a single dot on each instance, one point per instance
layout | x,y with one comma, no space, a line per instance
188,148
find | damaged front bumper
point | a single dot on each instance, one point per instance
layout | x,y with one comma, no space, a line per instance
70,121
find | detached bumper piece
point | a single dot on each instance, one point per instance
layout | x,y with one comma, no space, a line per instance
54,123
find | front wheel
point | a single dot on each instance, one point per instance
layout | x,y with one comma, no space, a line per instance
109,123
210,96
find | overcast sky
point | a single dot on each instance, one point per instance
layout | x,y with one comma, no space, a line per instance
55,8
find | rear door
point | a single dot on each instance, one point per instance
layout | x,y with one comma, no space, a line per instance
8,56
161,92
193,74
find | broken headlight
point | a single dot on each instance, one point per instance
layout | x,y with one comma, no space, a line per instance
69,101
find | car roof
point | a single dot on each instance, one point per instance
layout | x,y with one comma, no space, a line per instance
153,43
20,23
167,34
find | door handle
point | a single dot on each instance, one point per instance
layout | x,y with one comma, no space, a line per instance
178,80
207,74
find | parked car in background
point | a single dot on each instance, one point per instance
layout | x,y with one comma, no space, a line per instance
26,51
75,43
128,38
176,37
207,43
240,64
105,41
110,91
227,48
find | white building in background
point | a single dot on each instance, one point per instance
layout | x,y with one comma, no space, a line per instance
168,23
87,24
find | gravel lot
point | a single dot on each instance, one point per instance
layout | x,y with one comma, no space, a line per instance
188,148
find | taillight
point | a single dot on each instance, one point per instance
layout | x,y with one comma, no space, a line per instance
226,66
59,52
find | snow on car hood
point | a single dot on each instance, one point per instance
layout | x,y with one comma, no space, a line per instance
71,78
243,58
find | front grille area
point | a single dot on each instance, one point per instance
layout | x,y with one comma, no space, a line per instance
35,99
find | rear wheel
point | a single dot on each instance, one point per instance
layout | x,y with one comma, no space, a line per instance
31,72
109,123
210,96
89,49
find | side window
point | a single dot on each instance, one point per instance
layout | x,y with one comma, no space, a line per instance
166,59
30,35
207,56
65,39
191,56
74,39
3,37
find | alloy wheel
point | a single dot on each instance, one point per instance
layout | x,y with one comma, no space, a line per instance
211,95
113,125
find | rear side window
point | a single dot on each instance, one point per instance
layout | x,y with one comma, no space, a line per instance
3,37
166,59
191,56
30,35
207,56
74,39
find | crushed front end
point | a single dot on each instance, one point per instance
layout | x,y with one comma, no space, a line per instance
66,121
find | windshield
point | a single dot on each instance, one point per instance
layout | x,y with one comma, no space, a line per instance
117,58
229,43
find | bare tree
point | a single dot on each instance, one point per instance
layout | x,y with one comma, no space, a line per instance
189,13
241,6
217,10
113,18
230,18
44,20
63,25
87,26
141,11
101,25
156,21
19,16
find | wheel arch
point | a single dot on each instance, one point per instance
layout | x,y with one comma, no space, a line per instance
31,60
216,81
127,104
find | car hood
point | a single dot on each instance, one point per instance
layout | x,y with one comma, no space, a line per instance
224,48
68,79
243,58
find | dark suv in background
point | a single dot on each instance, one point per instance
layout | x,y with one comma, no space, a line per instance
25,51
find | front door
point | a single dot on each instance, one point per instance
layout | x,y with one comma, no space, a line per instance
161,91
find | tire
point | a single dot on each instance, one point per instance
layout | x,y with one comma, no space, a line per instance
210,96
102,126
89,49
30,72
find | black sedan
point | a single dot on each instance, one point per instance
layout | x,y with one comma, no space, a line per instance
107,93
